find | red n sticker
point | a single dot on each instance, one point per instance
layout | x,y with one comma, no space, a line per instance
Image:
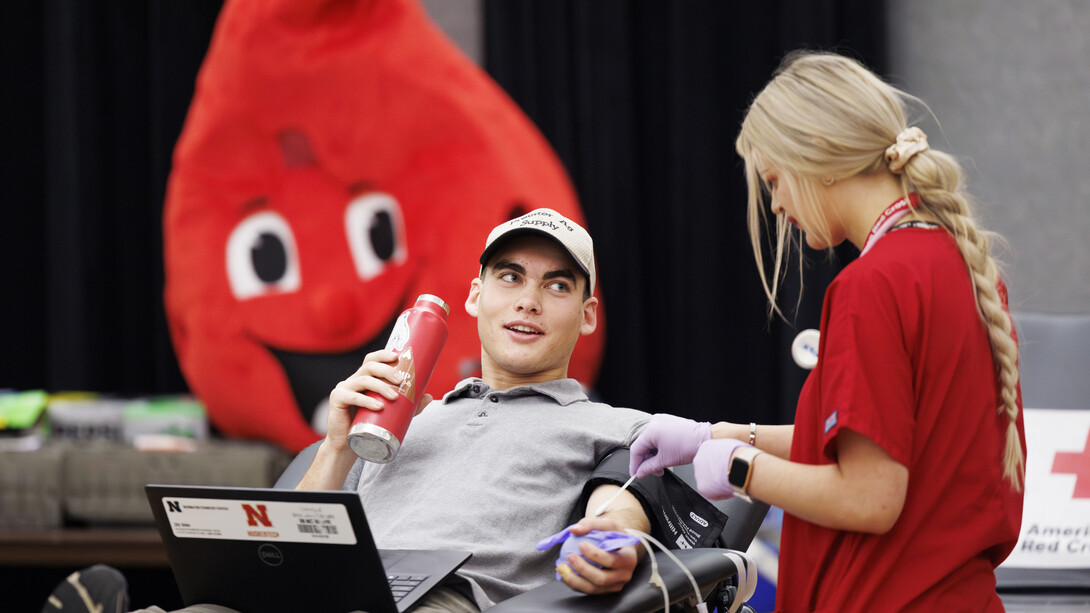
260,514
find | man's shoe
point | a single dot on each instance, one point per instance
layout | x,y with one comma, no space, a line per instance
98,589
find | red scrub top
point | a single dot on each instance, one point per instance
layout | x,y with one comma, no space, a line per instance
904,360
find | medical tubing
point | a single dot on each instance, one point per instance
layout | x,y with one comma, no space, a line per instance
656,578
701,606
747,581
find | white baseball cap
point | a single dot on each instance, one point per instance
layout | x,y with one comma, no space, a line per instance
546,222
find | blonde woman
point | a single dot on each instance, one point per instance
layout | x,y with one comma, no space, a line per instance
901,478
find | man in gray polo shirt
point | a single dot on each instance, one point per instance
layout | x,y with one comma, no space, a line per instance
500,461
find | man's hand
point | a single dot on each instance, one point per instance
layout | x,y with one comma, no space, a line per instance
616,566
334,459
377,374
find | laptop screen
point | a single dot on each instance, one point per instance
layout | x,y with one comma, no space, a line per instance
259,549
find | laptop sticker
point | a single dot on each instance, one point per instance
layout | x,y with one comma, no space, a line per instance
241,520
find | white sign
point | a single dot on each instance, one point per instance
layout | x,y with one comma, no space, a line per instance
1056,513
248,520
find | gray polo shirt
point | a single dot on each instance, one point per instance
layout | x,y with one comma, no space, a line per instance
492,472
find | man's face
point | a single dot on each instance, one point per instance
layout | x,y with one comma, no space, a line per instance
530,312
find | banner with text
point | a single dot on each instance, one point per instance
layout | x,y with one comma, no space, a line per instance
1056,515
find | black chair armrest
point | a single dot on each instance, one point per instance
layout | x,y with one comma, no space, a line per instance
298,467
709,567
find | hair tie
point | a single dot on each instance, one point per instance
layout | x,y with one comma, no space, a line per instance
909,142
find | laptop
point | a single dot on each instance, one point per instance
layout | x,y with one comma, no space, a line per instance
260,549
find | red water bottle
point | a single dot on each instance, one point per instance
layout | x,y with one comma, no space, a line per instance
418,337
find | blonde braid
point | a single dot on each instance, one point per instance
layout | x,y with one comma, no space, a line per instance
936,178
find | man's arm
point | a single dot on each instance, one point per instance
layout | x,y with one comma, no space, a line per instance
334,457
617,566
329,468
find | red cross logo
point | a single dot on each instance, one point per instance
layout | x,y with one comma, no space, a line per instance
1075,463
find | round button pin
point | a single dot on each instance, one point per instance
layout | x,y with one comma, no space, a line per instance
805,348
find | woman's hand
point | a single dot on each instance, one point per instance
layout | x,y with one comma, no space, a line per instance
667,440
711,466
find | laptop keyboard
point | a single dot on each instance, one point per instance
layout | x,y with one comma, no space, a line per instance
401,585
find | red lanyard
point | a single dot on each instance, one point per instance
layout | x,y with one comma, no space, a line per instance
888,218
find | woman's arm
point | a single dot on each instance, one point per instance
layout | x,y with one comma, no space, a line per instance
864,491
773,439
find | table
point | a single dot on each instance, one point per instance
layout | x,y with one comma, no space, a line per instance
129,547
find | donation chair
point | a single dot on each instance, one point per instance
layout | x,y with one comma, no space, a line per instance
1054,375
712,569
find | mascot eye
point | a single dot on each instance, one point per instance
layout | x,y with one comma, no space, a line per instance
261,257
375,233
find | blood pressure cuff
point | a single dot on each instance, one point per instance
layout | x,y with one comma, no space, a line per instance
680,517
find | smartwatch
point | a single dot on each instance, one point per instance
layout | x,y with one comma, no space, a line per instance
741,469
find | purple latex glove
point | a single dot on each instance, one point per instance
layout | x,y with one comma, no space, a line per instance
667,440
711,465
602,539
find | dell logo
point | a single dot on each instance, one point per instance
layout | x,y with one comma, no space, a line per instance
270,555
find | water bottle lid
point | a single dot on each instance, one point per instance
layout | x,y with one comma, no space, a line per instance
435,299
805,348
373,443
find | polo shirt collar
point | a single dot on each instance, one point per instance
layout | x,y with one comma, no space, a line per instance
562,391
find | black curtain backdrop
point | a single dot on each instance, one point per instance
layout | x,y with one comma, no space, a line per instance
641,101
94,96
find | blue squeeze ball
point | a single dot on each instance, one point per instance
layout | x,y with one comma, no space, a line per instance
602,539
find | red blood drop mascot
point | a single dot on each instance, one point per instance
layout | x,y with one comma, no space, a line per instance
339,158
